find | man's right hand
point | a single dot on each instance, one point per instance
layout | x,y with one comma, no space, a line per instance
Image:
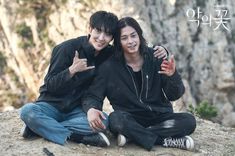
79,65
95,117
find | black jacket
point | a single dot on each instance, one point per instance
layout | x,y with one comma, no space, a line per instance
59,89
116,81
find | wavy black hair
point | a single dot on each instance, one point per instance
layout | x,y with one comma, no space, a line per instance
123,22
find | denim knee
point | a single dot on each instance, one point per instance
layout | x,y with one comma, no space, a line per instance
27,112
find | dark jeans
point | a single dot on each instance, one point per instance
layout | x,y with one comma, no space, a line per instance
147,132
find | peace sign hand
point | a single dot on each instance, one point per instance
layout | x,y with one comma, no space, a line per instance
79,65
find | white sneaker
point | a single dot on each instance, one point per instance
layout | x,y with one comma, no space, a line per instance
186,143
121,140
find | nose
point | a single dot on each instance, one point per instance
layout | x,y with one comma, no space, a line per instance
129,40
101,36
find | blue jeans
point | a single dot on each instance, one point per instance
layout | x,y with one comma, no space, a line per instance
46,121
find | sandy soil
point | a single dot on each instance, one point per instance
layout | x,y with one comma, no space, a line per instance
210,139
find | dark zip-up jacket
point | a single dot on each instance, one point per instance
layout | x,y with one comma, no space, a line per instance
116,81
61,90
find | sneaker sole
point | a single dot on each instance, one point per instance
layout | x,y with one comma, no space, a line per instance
121,140
105,138
190,144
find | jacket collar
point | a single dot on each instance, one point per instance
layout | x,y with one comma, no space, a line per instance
89,49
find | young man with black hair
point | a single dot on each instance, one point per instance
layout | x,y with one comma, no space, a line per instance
57,114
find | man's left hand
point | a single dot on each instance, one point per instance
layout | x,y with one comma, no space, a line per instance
160,52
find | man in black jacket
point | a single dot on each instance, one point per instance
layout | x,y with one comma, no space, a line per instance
57,114
140,88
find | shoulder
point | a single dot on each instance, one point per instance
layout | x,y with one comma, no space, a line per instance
73,42
108,65
150,56
68,46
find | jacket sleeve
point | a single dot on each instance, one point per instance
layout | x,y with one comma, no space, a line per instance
173,86
58,75
97,91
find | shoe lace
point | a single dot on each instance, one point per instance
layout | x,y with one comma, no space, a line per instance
175,142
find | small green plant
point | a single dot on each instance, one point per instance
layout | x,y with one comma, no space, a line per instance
27,37
23,30
204,110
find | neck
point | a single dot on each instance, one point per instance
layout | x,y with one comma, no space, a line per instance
132,58
135,61
97,52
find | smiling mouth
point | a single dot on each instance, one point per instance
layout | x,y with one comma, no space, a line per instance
132,47
100,44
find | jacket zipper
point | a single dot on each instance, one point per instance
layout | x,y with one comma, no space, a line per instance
141,87
147,86
133,82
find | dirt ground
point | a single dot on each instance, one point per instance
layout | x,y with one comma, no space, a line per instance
210,140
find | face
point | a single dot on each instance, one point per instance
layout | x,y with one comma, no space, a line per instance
99,39
130,40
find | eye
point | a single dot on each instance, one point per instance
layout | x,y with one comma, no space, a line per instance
98,30
123,38
133,35
108,34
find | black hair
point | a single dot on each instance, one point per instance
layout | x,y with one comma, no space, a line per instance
104,21
123,22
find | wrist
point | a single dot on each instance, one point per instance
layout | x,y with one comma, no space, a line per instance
71,71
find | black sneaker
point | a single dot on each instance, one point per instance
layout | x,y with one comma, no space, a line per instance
186,143
121,140
98,139
27,133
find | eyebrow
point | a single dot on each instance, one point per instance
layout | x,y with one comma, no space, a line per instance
130,33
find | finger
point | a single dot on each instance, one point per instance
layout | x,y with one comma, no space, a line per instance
76,54
155,47
160,49
92,126
83,60
103,116
165,57
96,126
156,54
162,55
165,62
164,69
162,72
100,124
90,67
172,59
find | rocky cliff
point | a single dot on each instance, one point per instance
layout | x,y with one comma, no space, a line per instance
203,47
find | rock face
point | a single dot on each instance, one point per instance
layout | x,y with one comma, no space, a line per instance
210,139
205,54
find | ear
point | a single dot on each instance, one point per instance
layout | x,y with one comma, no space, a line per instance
89,29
